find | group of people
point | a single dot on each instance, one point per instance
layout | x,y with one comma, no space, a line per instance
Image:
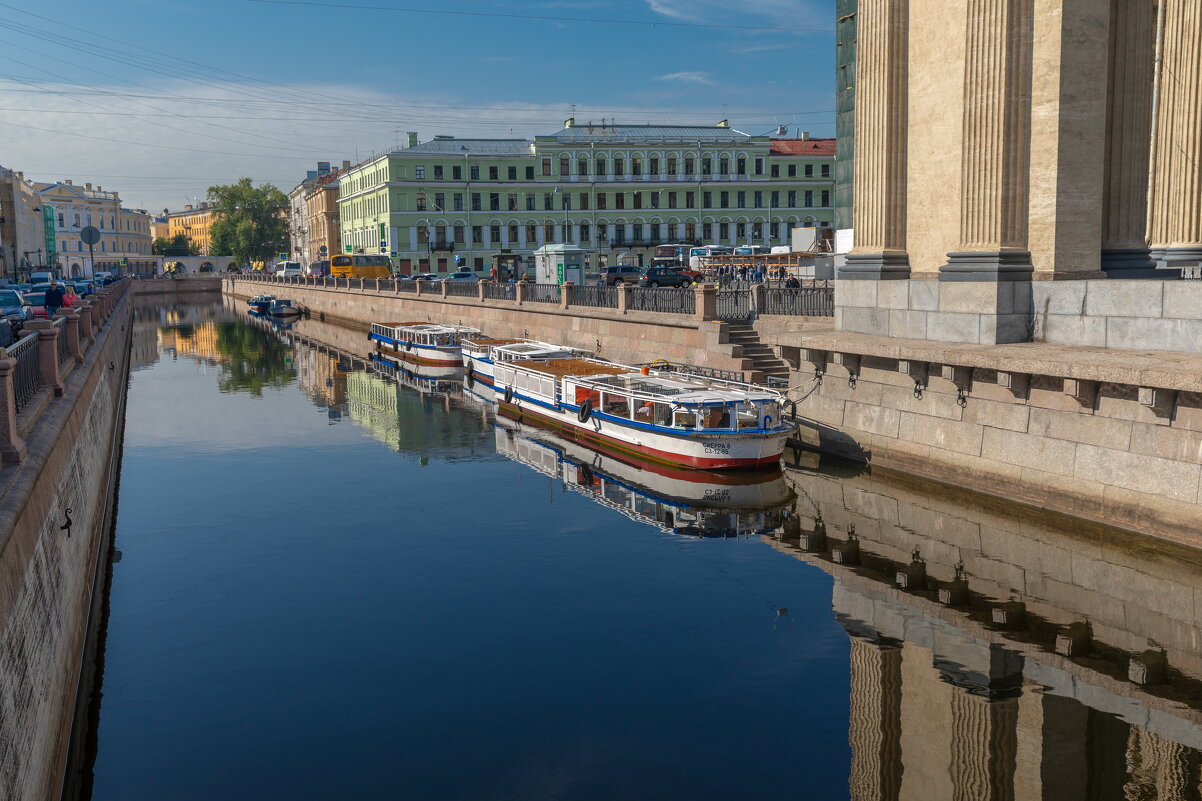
59,297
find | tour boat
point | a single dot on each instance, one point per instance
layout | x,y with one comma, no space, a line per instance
670,418
283,308
481,353
261,303
422,343
693,502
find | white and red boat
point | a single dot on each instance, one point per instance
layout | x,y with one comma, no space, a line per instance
428,344
660,416
481,353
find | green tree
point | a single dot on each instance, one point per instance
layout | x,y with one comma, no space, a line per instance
177,246
250,222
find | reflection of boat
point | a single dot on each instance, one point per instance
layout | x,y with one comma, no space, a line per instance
674,419
422,343
422,377
260,302
479,355
282,308
690,502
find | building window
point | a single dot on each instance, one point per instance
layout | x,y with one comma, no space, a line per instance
582,167
757,230
440,201
724,166
706,166
477,234
548,201
565,202
742,170
759,166
584,232
809,171
775,171
619,234
512,203
826,197
601,201
792,171
619,200
636,166
707,200
723,231
423,235
758,200
688,166
531,233
741,230
655,200
548,232
826,171
707,231
438,172
655,231
529,173
584,201
809,198
792,199
774,230
602,232
474,172
619,166
475,201
494,173
421,201
513,234
529,202
637,232
653,168
478,262
494,234
440,234
671,200
638,200
600,165
690,231
671,165
458,201
458,233
565,166
494,201
512,173
724,200
457,173
419,173
688,200
546,166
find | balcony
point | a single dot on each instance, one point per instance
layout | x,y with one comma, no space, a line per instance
447,247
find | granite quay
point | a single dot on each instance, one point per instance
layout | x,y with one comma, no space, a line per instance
62,395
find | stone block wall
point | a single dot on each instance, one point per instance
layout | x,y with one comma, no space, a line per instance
954,311
1129,315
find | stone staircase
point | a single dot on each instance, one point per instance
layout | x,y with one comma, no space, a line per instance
765,363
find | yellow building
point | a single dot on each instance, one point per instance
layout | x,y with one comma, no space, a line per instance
195,224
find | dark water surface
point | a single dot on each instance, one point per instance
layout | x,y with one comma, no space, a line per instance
333,584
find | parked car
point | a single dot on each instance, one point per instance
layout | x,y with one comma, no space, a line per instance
462,276
37,305
696,276
621,274
664,276
425,276
14,308
8,334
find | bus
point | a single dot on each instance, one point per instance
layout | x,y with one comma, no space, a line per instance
706,251
670,256
360,265
752,250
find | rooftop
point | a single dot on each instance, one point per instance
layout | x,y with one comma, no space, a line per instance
608,133
802,147
450,146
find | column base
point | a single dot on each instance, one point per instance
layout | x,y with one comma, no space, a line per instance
887,266
1129,263
1186,262
987,265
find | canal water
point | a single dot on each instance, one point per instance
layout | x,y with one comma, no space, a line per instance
335,579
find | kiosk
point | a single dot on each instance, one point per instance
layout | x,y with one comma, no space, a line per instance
559,264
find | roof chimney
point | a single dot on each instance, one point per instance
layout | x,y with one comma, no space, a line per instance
88,187
805,136
569,122
68,182
346,164
724,124
410,138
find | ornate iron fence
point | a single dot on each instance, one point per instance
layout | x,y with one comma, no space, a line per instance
600,297
733,304
662,299
815,299
27,376
406,285
63,352
542,293
493,291
462,289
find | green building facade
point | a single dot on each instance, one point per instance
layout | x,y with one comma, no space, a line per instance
609,188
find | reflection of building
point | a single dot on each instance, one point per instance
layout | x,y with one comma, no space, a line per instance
960,687
320,376
195,341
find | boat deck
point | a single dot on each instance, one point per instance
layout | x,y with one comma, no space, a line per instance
561,368
488,343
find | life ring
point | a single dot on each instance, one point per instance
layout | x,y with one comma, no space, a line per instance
408,345
586,410
469,378
509,394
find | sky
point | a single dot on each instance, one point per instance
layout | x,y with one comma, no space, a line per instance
160,99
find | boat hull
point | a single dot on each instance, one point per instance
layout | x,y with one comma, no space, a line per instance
427,355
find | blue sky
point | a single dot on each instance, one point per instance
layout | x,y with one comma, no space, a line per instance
161,99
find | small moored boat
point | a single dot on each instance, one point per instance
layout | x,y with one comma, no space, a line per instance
283,308
670,418
260,303
422,343
481,353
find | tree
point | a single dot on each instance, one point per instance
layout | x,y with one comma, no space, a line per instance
176,246
250,223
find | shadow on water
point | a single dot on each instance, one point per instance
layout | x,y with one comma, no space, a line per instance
993,651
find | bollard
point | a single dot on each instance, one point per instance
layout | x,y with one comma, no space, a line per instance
705,302
71,331
519,295
623,298
85,325
480,291
442,285
565,294
48,370
420,285
12,447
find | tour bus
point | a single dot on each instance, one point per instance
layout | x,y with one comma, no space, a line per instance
360,265
705,251
751,250
670,256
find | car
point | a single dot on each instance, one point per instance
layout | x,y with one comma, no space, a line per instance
425,276
14,308
37,305
696,276
462,276
620,274
664,276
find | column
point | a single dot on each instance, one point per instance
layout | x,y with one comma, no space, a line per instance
1125,252
1176,200
874,726
881,135
994,155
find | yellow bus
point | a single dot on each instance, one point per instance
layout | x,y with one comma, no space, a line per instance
360,266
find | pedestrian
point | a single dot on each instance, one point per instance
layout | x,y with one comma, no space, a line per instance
793,283
69,297
53,299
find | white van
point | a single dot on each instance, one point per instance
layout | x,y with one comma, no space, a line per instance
287,269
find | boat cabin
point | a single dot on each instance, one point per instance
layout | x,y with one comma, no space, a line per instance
426,334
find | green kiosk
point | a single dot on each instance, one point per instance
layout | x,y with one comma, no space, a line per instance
558,264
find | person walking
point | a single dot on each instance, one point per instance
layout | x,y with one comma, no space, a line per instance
53,299
69,297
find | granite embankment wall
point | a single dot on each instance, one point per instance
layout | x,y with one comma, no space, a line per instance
633,337
167,288
49,575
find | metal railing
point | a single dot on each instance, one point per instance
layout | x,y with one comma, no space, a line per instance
662,299
733,304
815,300
404,285
27,376
462,289
64,353
597,297
542,293
696,369
500,291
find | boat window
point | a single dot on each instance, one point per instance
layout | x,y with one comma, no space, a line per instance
717,417
748,416
617,405
686,418
771,415
663,414
644,411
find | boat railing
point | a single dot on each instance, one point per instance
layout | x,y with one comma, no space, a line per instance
662,365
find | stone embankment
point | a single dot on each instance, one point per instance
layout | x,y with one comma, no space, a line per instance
62,400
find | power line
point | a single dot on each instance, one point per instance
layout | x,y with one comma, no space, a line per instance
541,17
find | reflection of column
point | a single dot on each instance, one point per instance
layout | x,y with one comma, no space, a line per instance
875,721
1128,138
880,149
1176,207
984,744
994,154
1160,769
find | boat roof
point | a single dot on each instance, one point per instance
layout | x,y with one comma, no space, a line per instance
488,342
434,328
673,386
533,349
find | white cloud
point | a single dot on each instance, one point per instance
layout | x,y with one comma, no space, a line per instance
688,77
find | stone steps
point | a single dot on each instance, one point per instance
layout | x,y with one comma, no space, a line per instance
764,363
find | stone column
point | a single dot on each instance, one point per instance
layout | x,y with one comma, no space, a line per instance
705,302
623,297
71,332
565,295
12,447
995,153
881,136
85,325
1125,251
48,355
1175,216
